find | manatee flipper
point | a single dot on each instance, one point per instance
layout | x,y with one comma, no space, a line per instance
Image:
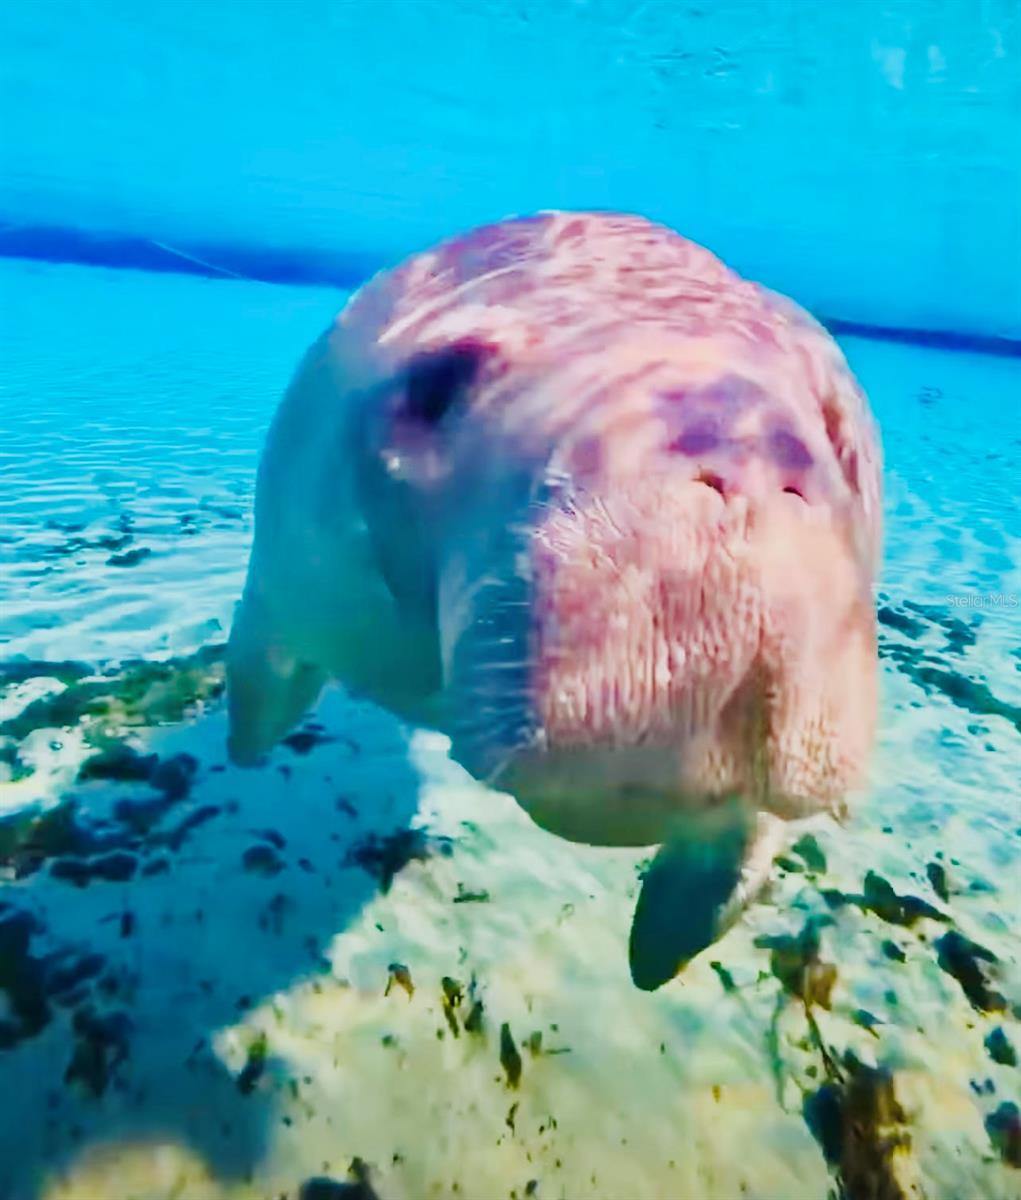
697,885
268,687
765,845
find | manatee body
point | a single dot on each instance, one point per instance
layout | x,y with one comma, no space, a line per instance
572,491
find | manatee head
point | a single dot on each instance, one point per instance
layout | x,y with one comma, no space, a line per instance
637,622
651,631
612,515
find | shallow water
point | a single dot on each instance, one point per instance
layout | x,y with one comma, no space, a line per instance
194,967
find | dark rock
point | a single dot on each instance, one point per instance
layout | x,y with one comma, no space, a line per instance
72,870
724,976
139,693
119,762
880,898
473,1023
465,897
130,558
12,767
938,878
101,1045
797,963
262,860
893,619
61,979
452,995
510,1059
810,852
1000,1048
255,1065
20,670
1004,1129
400,976
357,1187
175,838
304,741
859,1125
116,867
383,857
22,978
964,959
174,776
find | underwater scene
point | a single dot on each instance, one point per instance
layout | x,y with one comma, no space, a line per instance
266,936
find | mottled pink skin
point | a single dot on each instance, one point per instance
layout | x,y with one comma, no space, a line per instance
700,618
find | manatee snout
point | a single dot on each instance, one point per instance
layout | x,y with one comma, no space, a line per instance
644,653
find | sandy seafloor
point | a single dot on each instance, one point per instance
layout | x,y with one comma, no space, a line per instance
194,960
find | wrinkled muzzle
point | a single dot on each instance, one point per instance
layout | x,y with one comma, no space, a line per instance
633,660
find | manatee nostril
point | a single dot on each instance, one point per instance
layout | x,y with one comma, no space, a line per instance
710,480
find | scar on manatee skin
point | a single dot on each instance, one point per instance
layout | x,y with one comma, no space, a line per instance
697,439
789,451
728,397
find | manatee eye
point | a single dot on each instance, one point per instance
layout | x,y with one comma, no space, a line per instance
438,380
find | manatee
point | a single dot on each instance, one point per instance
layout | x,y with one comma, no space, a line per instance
573,492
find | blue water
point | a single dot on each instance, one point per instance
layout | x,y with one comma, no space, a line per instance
220,984
864,160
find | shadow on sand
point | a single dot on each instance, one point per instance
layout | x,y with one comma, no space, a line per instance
166,895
